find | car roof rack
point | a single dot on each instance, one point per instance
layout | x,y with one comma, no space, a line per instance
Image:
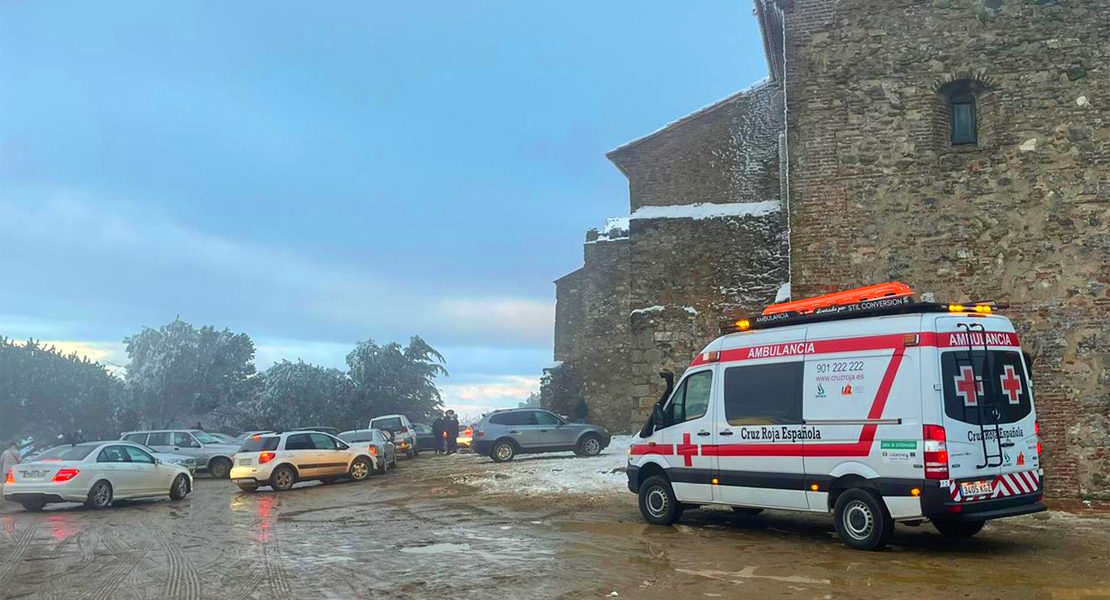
893,298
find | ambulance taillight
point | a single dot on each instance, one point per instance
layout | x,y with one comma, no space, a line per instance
936,452
1037,431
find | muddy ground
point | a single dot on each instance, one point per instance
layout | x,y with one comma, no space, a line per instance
420,533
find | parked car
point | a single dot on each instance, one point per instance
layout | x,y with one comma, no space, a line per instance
242,437
466,436
96,474
223,437
378,444
505,433
425,437
328,430
211,454
174,459
404,436
280,460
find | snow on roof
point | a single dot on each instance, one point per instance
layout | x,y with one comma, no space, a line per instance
754,86
707,210
616,228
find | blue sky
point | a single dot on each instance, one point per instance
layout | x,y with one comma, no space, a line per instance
314,176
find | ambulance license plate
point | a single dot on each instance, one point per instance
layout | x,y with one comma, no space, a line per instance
976,488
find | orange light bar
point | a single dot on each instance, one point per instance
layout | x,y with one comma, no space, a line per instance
743,325
894,289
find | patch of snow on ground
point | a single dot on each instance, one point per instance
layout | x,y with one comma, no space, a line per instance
784,293
560,472
640,311
706,210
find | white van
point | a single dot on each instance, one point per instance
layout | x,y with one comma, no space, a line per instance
865,404
404,436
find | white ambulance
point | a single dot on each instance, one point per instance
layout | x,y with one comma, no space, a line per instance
865,404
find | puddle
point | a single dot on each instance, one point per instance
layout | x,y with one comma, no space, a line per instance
437,549
618,529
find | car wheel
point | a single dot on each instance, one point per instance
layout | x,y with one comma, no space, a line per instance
33,505
282,478
246,487
862,520
360,469
219,468
657,502
180,488
503,451
394,460
590,445
100,495
744,510
957,529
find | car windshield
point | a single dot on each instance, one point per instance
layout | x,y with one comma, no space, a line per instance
78,452
388,423
258,443
204,438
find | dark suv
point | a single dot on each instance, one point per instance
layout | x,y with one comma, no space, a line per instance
505,433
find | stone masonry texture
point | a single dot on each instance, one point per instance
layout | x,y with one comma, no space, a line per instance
873,191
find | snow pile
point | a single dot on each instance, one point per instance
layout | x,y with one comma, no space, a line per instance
560,472
644,311
707,210
784,293
616,228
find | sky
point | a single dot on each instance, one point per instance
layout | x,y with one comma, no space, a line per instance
316,175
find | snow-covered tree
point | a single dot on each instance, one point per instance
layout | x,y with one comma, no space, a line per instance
394,379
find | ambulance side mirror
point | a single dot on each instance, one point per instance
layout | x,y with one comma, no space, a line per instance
657,416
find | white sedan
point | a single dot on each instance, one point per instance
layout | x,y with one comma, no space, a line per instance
96,474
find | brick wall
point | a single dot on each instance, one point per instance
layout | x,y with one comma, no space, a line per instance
878,193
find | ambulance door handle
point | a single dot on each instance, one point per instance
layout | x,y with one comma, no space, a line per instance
703,433
726,432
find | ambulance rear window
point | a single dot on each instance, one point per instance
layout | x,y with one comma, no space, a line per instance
995,380
764,394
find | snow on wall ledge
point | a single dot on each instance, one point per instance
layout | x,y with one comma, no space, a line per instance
707,210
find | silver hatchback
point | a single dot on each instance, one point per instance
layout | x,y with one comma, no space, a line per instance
505,433
378,443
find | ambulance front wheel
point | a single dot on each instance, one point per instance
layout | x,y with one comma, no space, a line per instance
957,529
657,502
862,520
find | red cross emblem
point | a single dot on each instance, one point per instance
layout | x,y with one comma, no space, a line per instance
687,450
1011,384
967,387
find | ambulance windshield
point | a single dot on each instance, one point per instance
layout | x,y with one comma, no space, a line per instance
995,380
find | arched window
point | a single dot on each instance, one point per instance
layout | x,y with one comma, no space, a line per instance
961,114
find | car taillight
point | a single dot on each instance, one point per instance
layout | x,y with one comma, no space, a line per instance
373,450
469,432
478,434
65,475
936,452
10,477
266,457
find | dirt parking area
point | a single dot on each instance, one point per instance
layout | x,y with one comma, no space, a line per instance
464,527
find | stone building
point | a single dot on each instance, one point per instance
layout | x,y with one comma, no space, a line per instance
961,146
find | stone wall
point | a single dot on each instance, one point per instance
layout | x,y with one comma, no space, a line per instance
878,193
690,276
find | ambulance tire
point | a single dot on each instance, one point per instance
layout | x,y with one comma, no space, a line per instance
658,504
957,529
862,520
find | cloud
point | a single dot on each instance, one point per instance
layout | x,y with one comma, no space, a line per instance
471,400
187,272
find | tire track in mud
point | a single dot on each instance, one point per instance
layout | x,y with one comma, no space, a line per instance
22,541
183,580
129,559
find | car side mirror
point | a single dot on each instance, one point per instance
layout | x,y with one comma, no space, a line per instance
157,461
657,417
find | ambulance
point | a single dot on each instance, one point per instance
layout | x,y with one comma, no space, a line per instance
865,404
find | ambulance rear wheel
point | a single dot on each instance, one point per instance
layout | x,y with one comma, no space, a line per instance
957,529
657,502
862,520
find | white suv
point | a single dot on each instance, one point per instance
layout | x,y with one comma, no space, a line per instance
280,460
404,436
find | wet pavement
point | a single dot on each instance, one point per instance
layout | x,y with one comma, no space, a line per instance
420,533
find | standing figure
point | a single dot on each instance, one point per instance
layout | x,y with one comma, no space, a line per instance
581,412
8,459
452,427
437,430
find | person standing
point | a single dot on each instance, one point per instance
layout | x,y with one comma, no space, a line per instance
452,427
8,459
437,430
581,412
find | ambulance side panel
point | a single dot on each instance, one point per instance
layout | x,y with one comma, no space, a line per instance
862,398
